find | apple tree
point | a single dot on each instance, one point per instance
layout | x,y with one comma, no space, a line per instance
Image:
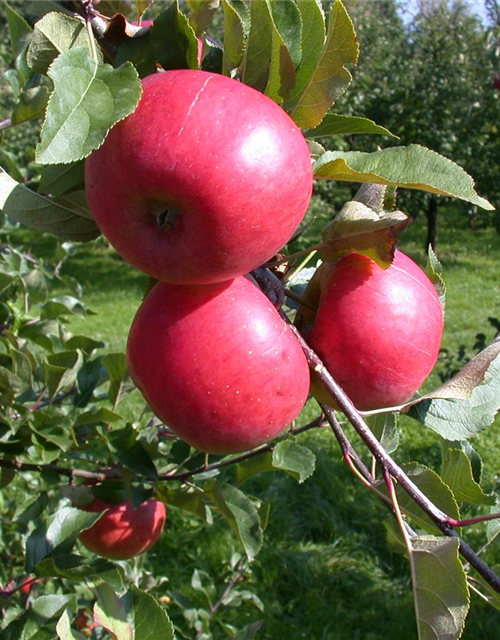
224,358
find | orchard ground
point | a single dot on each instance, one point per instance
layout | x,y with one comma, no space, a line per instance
326,558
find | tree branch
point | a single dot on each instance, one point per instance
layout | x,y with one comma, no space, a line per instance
441,519
102,476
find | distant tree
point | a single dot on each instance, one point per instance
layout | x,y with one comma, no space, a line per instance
429,81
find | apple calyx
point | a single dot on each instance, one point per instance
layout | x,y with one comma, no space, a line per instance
166,217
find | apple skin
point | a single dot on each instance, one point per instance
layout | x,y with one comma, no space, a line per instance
124,532
217,364
377,331
496,82
228,163
28,584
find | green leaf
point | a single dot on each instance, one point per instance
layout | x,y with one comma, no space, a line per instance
59,179
434,488
439,587
31,104
84,343
288,21
313,39
249,631
66,217
295,459
54,34
57,535
201,13
254,465
19,30
174,40
412,167
234,38
97,415
27,513
334,124
131,452
45,433
88,99
385,428
36,286
110,613
116,365
134,616
241,514
171,42
76,568
493,526
434,270
60,370
490,595
43,610
267,65
457,474
64,630
466,404
111,7
150,621
329,78
190,499
62,306
9,161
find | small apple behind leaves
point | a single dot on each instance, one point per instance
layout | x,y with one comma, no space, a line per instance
217,364
123,531
205,181
377,331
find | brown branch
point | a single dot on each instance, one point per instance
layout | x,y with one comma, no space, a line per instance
98,476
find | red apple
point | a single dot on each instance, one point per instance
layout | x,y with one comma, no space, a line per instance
496,82
205,181
124,532
377,331
28,584
217,364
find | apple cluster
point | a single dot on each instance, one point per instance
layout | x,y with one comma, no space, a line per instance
203,183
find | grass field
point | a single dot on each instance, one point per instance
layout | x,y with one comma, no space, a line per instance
325,572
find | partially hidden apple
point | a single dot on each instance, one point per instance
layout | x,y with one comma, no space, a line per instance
28,584
217,364
377,331
123,531
205,181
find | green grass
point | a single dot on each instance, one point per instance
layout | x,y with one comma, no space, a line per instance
325,572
